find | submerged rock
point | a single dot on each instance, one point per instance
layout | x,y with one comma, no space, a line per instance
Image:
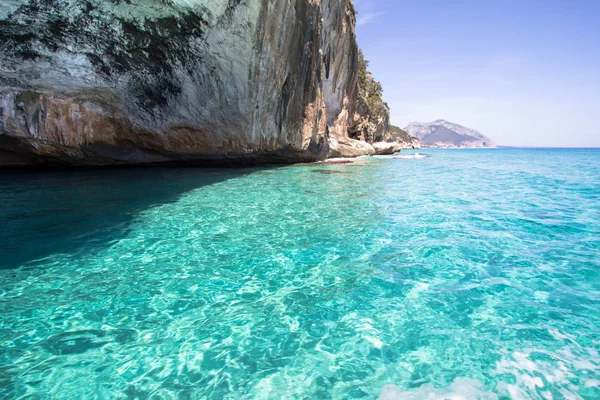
330,172
98,82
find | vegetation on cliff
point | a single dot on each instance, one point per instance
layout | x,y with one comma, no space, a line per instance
398,134
372,117
371,90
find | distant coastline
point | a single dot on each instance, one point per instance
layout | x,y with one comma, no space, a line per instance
547,148
445,134
509,148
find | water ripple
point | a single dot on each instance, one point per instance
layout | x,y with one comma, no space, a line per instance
471,274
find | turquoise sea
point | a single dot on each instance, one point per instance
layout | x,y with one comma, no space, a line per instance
467,274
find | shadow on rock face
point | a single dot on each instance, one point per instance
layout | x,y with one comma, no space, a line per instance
45,213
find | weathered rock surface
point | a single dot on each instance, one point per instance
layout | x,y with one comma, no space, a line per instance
344,147
99,82
385,148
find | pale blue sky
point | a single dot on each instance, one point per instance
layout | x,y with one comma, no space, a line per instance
525,73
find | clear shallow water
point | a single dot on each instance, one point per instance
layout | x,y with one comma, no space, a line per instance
473,274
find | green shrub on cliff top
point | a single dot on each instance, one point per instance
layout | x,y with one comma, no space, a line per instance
28,97
370,90
399,134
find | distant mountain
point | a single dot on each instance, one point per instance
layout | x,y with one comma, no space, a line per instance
446,134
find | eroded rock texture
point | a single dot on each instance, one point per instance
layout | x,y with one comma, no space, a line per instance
99,82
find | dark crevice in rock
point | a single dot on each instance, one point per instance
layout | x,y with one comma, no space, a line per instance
284,99
327,61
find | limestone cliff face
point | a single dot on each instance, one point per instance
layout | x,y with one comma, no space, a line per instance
99,82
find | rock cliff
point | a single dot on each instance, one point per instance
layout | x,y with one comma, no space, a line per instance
99,82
